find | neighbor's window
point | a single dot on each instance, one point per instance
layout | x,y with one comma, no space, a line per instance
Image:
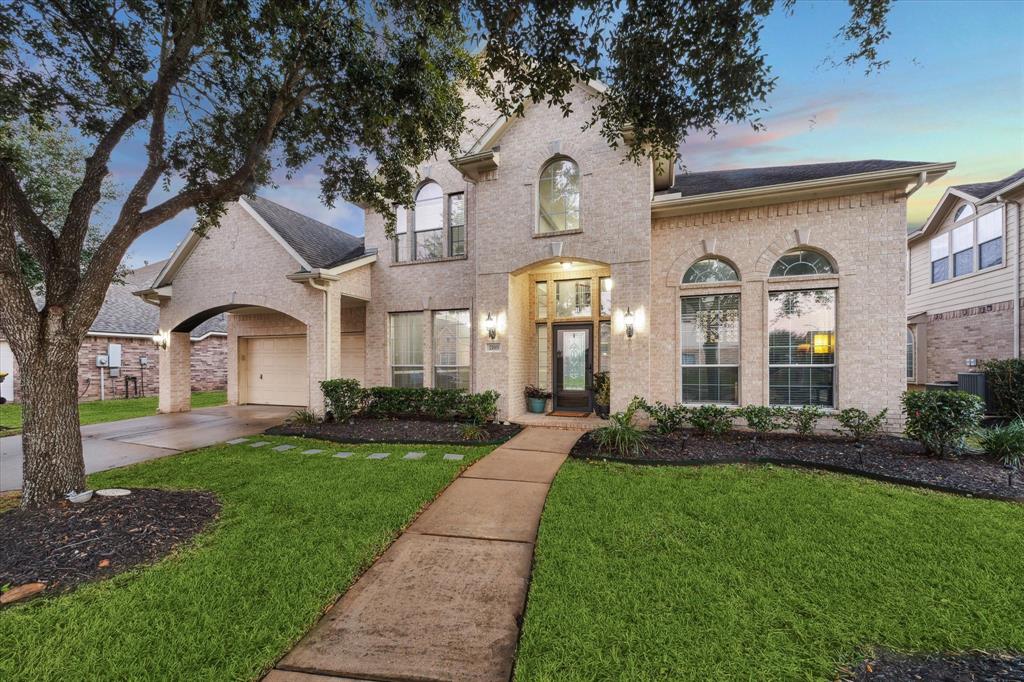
801,347
543,362
428,222
606,296
572,298
542,300
558,200
710,352
963,212
457,224
405,338
940,258
401,235
990,239
910,353
710,270
802,262
451,349
963,250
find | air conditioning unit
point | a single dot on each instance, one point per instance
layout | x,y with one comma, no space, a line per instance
973,382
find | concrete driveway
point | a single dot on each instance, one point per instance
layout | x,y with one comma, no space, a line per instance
115,444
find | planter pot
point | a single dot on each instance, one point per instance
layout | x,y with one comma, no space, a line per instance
536,405
601,411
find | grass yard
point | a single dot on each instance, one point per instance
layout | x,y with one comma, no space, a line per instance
113,410
760,573
294,532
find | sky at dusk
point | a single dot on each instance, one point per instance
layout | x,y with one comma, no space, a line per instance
953,91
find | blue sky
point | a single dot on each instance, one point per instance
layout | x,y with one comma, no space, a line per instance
953,91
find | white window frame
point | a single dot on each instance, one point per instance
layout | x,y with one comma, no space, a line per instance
835,339
436,347
739,348
945,240
392,367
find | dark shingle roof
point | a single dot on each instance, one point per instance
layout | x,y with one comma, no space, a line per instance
320,245
124,313
980,190
712,182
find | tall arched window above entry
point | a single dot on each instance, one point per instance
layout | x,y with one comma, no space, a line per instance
710,270
428,221
558,200
964,211
802,262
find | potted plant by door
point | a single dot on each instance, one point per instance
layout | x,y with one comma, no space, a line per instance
602,393
536,399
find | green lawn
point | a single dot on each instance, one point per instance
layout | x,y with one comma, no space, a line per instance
760,573
108,410
294,532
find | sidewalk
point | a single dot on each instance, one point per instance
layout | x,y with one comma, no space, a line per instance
445,600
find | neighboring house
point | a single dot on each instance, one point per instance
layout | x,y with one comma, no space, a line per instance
540,255
964,281
128,324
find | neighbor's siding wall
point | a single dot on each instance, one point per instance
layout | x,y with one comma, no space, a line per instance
866,236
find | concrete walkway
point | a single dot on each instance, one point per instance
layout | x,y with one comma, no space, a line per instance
115,444
445,600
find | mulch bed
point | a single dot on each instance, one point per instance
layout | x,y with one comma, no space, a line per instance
886,458
68,544
413,431
980,667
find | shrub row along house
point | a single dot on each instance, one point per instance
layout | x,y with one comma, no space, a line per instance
965,275
118,358
540,255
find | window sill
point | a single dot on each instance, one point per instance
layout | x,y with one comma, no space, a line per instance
960,278
562,233
445,259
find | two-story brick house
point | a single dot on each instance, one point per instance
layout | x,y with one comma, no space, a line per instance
540,255
964,281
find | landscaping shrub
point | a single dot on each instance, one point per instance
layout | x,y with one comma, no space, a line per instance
763,419
345,398
940,420
304,417
1005,382
472,431
804,420
621,437
480,408
1004,443
711,419
432,403
858,425
667,418
602,389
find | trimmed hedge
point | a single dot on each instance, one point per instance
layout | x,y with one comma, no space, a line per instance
941,420
346,398
1005,381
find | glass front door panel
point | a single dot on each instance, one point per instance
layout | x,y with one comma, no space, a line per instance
574,360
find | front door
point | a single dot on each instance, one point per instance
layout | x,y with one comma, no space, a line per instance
574,368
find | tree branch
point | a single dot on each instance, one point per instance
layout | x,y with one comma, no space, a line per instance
20,217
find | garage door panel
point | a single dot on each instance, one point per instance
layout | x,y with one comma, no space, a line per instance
276,371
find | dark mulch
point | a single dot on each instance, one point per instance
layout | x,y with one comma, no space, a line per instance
974,667
68,544
414,431
887,458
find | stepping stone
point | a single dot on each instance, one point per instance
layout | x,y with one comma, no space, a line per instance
259,444
378,455
343,455
415,455
453,458
312,451
236,441
283,448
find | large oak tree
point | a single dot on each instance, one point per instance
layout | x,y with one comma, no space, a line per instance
225,92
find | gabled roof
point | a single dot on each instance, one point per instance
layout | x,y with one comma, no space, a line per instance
713,182
319,245
983,190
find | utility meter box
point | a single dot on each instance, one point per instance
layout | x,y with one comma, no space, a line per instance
114,353
102,361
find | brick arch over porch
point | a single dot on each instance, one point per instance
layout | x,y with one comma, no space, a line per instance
793,239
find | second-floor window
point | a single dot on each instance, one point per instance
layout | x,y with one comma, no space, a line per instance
457,224
558,201
971,247
428,223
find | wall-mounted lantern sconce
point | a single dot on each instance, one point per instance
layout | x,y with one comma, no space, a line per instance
627,320
160,340
491,326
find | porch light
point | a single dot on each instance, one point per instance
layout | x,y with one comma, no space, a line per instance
160,340
627,320
491,326
567,265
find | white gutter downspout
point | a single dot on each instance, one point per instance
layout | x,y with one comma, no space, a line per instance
922,178
327,324
1016,276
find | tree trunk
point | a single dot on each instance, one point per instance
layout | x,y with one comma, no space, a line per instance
51,440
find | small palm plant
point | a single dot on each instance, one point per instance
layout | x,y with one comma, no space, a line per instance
622,436
1006,444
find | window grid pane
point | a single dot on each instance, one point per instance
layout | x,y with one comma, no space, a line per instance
405,339
990,253
710,348
451,349
710,270
801,347
963,262
543,363
572,298
541,293
457,225
940,270
605,346
559,197
606,296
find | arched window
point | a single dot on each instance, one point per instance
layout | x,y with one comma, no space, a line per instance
802,262
710,270
428,221
558,200
910,353
964,211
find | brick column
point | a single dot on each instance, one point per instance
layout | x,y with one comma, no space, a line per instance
176,374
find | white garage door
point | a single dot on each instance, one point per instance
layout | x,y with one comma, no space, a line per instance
275,371
7,365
